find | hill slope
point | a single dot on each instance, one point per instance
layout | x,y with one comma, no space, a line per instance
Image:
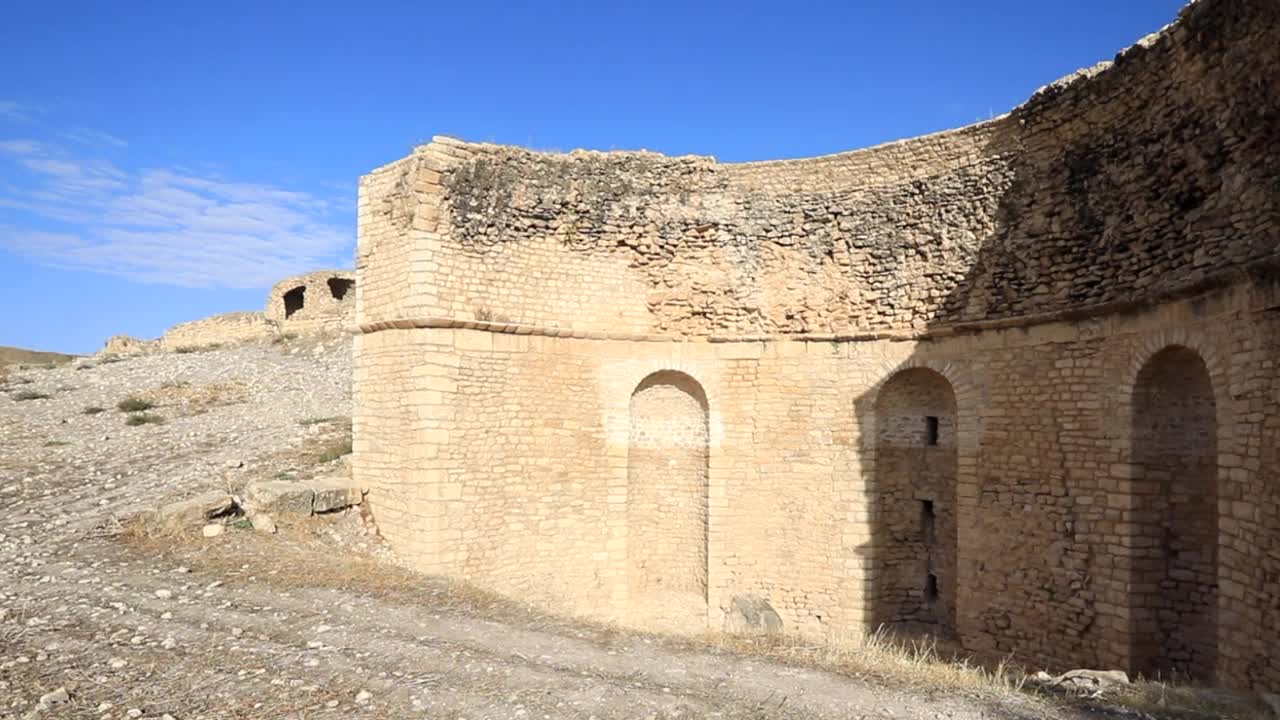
22,356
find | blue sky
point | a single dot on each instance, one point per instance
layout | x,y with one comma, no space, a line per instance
164,161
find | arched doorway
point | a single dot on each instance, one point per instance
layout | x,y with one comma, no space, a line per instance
914,524
667,499
1174,575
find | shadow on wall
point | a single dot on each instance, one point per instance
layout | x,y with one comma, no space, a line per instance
1153,181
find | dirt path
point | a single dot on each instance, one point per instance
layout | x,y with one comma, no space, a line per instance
233,632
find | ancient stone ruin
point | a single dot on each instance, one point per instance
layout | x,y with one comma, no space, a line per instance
320,302
1014,384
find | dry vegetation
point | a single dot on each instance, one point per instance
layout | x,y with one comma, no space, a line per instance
305,561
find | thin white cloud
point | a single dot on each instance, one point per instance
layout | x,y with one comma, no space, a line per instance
19,147
19,111
94,138
161,225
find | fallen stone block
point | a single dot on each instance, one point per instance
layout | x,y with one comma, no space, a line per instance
752,614
334,493
192,511
1093,678
278,496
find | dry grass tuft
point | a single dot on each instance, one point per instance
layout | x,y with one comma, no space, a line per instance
187,349
883,658
133,403
144,418
1164,699
31,395
191,399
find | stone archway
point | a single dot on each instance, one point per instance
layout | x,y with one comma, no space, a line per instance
667,471
1174,570
915,524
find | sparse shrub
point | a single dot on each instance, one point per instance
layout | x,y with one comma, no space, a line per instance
143,418
334,450
86,366
175,384
283,338
30,395
56,443
92,410
134,404
107,359
186,349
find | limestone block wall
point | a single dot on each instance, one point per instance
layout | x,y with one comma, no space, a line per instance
915,510
480,470
1013,383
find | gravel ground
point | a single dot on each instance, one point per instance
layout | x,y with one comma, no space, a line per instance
316,621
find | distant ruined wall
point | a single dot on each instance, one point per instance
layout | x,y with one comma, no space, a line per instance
320,302
236,327
513,306
324,300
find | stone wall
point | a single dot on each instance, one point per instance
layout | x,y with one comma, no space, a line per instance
236,327
319,301
549,342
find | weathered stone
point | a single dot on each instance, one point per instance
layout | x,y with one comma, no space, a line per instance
1092,679
212,530
334,493
278,496
192,511
263,522
56,697
752,614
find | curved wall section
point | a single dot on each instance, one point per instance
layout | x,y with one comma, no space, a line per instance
510,301
1133,183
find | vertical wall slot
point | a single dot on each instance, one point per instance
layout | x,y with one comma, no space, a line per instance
931,588
931,430
927,520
